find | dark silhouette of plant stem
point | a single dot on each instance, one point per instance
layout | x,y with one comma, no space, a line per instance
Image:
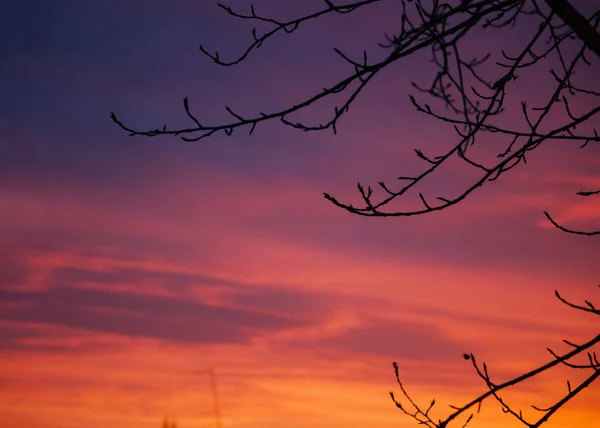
423,417
473,100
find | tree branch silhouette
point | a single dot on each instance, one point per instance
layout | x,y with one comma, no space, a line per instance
423,417
440,27
472,101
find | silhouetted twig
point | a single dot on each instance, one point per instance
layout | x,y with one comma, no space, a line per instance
471,100
422,417
440,27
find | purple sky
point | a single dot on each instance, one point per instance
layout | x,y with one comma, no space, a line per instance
126,264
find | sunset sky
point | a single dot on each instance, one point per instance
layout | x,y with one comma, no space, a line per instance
130,267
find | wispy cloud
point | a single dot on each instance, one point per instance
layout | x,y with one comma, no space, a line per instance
128,265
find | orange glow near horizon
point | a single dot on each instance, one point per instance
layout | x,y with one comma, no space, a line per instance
130,267
332,368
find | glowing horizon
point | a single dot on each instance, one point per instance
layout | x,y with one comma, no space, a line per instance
130,266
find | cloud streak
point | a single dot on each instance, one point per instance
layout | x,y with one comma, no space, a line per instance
129,266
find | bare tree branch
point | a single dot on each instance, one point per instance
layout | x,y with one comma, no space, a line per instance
472,101
422,417
577,22
441,28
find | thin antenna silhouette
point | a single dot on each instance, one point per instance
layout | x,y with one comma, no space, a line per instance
213,385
